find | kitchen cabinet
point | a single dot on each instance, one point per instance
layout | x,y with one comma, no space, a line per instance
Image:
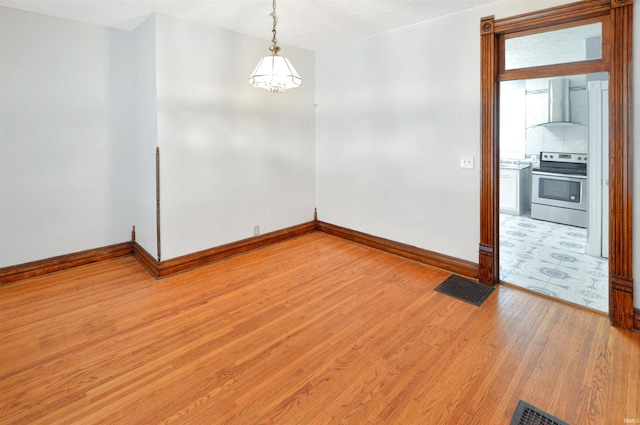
515,189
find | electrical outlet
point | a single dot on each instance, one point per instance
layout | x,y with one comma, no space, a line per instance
256,230
466,162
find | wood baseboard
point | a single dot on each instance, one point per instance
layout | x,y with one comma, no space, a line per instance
63,262
636,321
161,269
441,261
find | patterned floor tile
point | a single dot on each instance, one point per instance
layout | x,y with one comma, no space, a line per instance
598,305
571,278
564,293
526,281
550,258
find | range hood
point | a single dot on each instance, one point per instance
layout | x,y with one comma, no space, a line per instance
559,108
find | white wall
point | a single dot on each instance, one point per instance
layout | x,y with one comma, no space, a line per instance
232,156
390,135
145,135
65,124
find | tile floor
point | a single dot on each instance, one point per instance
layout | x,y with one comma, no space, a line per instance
549,258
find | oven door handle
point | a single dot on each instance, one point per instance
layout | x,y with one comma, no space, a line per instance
564,176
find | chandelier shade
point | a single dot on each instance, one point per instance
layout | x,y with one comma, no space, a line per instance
274,73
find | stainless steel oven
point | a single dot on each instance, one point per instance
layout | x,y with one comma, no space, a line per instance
559,189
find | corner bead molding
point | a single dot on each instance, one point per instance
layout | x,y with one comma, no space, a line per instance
486,25
158,230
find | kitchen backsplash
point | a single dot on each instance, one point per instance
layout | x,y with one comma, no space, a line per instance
555,138
571,138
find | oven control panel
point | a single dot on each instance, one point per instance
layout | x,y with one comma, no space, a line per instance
576,158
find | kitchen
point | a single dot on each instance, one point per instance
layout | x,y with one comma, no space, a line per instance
554,187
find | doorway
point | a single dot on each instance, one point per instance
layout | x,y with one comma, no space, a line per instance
615,18
551,186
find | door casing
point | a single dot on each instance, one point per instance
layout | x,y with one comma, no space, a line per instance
617,19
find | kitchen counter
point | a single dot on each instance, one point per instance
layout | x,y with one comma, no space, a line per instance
515,166
515,187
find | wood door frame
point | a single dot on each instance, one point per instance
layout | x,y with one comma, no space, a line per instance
617,17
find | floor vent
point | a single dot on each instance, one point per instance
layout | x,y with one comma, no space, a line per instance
526,414
466,290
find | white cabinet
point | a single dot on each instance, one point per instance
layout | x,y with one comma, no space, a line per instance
515,190
509,190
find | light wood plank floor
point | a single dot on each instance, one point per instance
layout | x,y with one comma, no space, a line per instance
314,330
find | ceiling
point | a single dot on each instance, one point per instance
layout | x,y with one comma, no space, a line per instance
309,24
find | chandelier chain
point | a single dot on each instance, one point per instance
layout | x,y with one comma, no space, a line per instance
274,40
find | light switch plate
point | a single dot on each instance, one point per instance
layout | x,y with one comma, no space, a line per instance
466,162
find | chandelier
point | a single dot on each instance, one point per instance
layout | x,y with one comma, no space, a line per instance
274,73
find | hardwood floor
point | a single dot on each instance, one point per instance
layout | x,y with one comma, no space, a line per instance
313,330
